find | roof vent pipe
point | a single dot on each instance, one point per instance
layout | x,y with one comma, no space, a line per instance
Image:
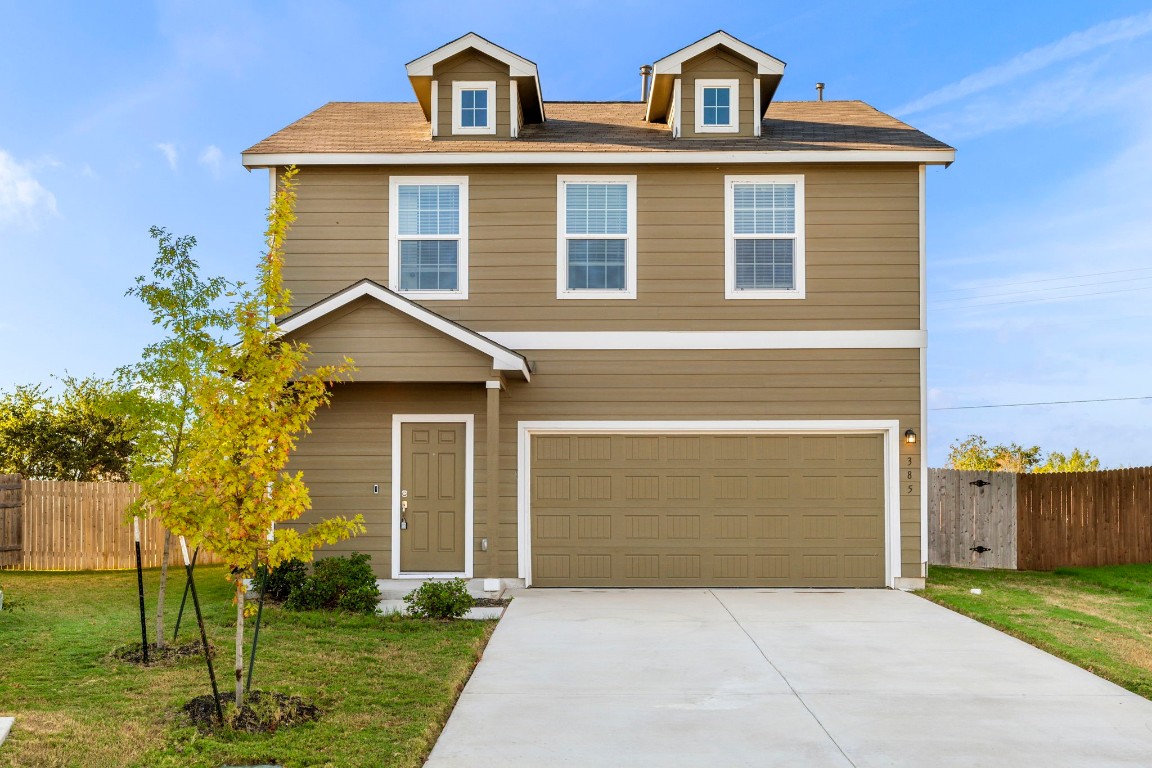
820,91
645,81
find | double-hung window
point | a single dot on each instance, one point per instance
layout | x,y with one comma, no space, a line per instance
473,107
764,237
717,106
428,236
596,237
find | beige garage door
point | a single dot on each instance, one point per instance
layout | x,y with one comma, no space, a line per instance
707,510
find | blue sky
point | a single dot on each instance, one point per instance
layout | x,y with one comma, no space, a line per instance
118,116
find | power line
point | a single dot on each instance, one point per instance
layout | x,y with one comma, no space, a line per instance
1046,280
1044,298
1041,290
1050,402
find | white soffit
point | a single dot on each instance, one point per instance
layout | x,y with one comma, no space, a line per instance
503,359
518,66
765,63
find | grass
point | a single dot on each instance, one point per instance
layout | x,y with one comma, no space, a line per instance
1097,618
385,685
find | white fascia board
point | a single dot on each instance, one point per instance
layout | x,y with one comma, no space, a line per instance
502,359
518,66
659,157
765,63
709,339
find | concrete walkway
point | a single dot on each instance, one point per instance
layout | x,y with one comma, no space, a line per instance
777,678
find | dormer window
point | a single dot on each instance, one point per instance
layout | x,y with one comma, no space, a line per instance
717,106
473,107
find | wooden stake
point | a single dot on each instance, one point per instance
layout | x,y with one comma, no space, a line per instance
140,590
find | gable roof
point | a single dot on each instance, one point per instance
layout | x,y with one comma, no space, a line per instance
420,73
394,132
769,70
503,358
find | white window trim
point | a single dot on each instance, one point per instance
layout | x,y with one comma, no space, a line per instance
733,125
394,184
562,291
398,420
889,429
474,85
730,291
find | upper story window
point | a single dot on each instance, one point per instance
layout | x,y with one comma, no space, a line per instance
764,237
596,237
717,106
428,236
473,107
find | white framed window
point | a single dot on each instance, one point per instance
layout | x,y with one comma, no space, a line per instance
473,107
596,237
717,106
428,236
764,237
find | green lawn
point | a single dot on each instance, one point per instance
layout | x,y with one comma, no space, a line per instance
385,685
1097,618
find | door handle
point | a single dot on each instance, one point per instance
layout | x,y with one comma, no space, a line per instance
403,519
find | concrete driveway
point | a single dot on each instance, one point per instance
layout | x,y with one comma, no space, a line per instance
777,678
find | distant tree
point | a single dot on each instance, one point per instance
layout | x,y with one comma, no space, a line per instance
88,432
1077,461
189,310
251,404
974,453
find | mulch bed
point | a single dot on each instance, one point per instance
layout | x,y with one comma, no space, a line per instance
263,712
492,602
132,654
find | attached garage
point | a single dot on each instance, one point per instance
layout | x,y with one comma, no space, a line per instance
733,508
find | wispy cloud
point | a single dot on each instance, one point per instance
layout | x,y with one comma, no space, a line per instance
22,198
212,159
1072,46
170,154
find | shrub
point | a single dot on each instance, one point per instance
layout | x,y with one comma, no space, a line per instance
338,584
282,579
440,599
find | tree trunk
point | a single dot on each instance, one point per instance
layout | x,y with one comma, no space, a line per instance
160,641
239,642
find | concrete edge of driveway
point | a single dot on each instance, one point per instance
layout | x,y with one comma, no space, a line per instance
5,727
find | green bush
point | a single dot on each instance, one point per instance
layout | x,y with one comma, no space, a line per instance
440,599
282,579
337,584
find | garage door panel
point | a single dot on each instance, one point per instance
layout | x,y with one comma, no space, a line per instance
695,510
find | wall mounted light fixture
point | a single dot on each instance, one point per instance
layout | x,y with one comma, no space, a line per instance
910,436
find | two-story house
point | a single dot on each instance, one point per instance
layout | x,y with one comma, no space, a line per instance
675,342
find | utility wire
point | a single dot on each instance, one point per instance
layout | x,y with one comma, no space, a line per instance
1043,298
1047,280
1050,289
1050,402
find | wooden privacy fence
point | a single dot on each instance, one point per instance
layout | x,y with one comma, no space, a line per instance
1039,521
52,525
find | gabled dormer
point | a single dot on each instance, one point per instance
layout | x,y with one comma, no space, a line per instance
474,89
716,87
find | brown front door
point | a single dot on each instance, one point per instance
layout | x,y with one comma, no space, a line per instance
432,494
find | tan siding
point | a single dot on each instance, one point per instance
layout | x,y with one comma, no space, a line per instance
472,66
388,346
349,448
717,64
862,249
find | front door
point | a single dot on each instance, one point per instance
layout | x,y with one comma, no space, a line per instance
432,494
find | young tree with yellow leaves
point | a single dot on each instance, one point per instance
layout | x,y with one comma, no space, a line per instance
252,404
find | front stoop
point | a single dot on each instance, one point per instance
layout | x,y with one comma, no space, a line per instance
393,591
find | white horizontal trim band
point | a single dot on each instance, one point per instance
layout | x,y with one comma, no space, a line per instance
660,157
521,341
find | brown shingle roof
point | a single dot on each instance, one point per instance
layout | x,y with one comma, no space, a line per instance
595,126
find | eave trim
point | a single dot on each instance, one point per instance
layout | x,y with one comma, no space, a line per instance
503,358
656,157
